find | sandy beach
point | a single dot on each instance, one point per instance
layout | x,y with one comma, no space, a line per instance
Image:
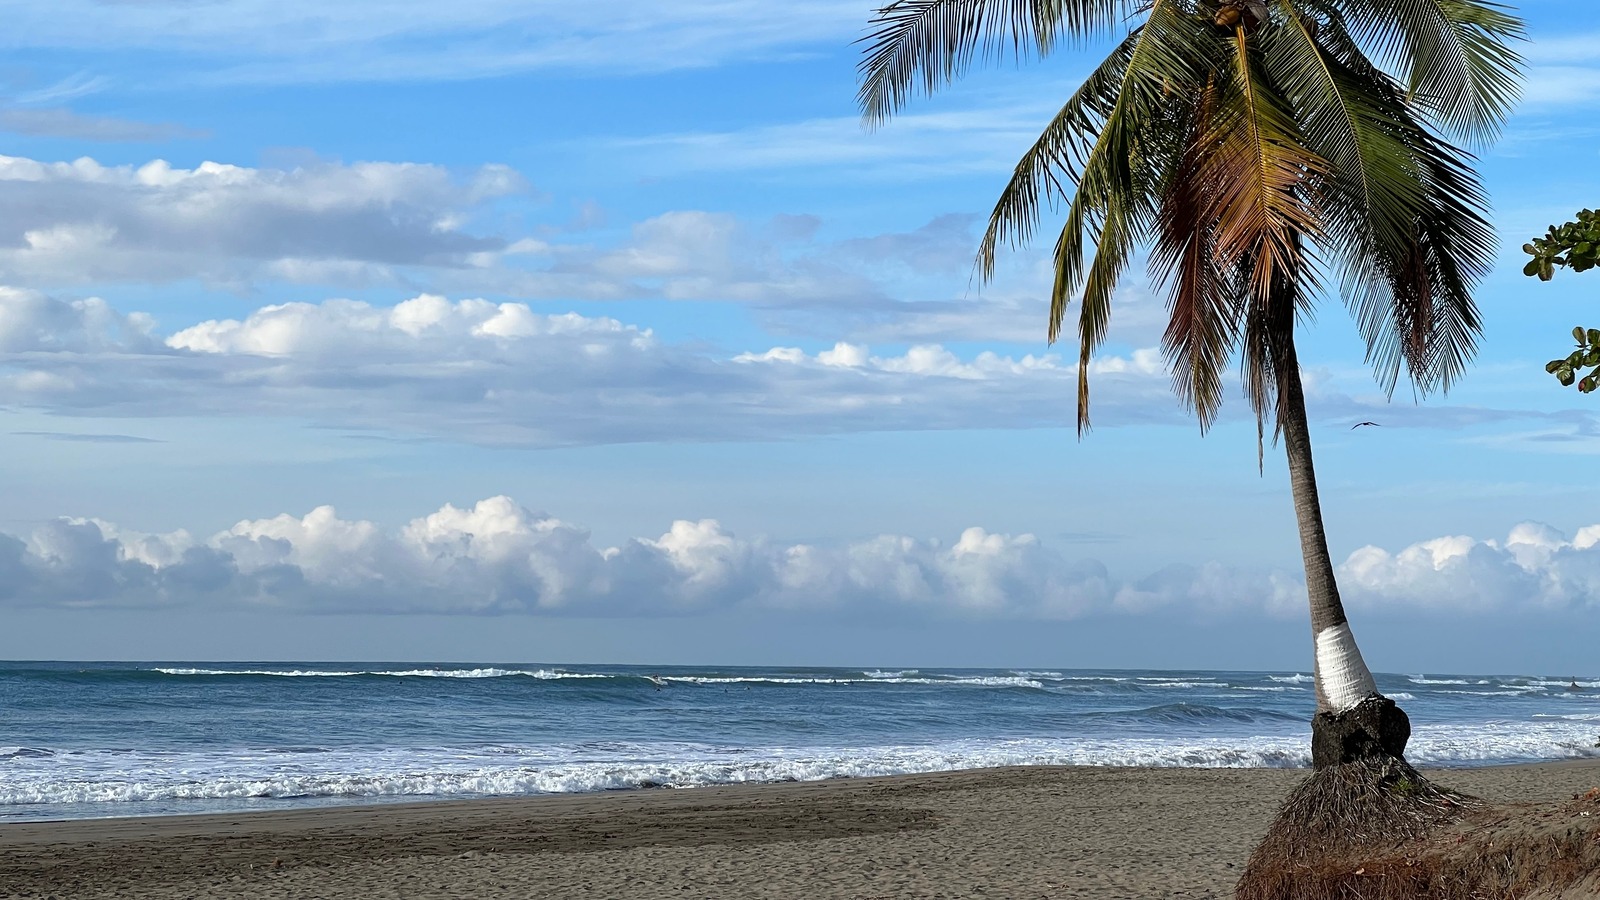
1021,833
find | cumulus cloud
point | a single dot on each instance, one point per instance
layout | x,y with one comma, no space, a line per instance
82,221
1534,567
411,226
403,224
499,557
500,373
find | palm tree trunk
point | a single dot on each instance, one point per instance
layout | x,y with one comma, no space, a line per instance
1346,726
1342,677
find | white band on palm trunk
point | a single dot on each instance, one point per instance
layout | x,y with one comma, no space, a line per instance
1341,673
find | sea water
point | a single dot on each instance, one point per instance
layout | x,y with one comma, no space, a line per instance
84,740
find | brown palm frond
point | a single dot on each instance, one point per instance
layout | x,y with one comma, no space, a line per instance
1203,298
1261,178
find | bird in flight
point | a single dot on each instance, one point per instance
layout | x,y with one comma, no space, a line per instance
1359,424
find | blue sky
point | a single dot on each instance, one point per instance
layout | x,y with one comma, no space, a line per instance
540,331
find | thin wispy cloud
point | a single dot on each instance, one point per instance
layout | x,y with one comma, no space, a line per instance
985,138
1560,85
74,437
410,40
64,123
78,84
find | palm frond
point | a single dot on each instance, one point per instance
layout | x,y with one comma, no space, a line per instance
1402,207
1457,247
1203,300
1260,175
1058,155
1372,191
926,43
1117,238
1110,171
1455,58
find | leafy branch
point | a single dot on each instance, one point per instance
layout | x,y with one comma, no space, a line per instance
1576,246
1586,356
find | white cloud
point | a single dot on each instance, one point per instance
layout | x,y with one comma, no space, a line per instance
477,371
500,373
499,557
81,221
914,146
1579,47
1534,567
897,286
407,225
410,226
1560,85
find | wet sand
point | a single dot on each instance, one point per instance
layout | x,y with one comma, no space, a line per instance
1019,833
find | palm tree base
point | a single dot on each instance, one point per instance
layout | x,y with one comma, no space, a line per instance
1338,820
1376,830
1373,727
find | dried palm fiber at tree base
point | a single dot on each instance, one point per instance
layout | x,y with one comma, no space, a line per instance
1377,830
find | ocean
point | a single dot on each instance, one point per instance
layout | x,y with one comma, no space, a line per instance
85,740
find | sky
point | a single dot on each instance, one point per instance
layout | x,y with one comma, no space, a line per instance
549,332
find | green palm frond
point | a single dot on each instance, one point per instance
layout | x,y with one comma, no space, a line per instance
1058,155
1114,202
1457,245
927,43
1455,57
1403,211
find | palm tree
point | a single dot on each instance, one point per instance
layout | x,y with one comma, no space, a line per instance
1255,147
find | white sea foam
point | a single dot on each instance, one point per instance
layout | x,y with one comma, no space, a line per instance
543,674
156,778
771,679
909,676
1419,679
193,776
1293,679
1513,692
882,678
